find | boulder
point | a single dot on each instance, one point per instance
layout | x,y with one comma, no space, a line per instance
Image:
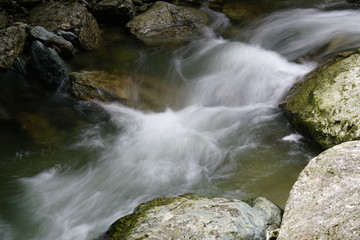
12,42
114,11
192,217
325,200
167,23
325,105
46,66
128,88
4,20
68,16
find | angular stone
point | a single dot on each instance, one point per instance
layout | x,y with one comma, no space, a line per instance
193,217
325,200
326,104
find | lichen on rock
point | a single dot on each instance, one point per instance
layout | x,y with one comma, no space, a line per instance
12,42
193,217
326,104
325,200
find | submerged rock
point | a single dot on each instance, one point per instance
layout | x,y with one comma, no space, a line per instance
193,217
167,23
130,89
103,86
69,16
242,11
326,104
325,201
12,42
46,66
37,127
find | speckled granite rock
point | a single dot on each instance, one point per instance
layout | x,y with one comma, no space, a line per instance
12,42
325,201
193,217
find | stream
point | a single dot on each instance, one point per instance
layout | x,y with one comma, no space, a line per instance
218,133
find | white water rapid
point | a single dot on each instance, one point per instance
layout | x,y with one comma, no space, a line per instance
229,116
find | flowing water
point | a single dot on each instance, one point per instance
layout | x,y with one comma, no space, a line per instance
220,134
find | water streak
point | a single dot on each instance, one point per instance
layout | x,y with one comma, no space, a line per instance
298,32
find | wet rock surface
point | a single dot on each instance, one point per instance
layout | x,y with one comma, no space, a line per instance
46,66
12,42
325,105
102,86
69,16
325,201
192,217
167,23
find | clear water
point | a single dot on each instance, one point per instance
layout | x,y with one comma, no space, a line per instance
219,132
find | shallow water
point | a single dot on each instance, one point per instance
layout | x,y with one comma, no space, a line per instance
219,131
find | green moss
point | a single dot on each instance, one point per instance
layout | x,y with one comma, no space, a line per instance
123,227
320,106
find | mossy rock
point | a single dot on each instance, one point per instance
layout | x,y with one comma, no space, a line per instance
326,105
193,217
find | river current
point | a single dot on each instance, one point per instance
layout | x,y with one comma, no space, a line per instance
220,132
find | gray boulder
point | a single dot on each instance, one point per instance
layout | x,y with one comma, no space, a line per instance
114,11
326,104
46,66
167,23
12,41
68,16
193,217
325,200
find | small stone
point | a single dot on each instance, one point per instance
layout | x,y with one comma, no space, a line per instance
66,48
40,33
